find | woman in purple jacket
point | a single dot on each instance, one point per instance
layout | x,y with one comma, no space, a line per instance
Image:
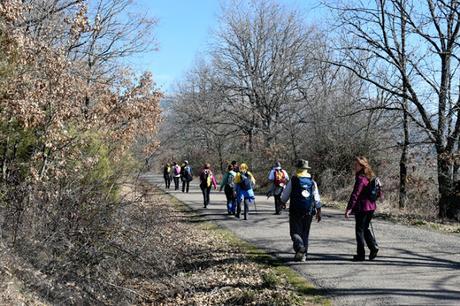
363,208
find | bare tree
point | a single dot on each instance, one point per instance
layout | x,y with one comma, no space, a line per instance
261,50
426,64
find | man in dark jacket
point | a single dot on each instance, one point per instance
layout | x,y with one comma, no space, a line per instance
305,203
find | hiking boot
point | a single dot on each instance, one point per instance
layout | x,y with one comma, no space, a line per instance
358,258
373,254
304,258
299,254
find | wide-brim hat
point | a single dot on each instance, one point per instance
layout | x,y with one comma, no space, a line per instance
302,164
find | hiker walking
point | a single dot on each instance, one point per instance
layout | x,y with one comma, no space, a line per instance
244,182
207,180
304,205
167,175
176,175
279,178
362,205
235,166
228,184
186,176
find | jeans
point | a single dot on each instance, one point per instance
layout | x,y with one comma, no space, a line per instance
299,228
206,191
363,234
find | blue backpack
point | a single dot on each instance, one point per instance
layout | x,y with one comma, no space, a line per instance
302,198
245,183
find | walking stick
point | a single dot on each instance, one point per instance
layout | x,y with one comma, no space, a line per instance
373,234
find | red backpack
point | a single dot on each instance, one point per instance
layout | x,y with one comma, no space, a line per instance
280,178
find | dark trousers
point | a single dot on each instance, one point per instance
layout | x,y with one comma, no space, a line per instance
278,204
363,234
167,181
176,183
299,227
185,186
206,191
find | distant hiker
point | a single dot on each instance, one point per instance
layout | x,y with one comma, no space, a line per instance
235,166
305,203
186,176
207,180
362,205
279,178
167,175
228,184
244,182
176,175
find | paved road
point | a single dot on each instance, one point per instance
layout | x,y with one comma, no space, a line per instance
414,266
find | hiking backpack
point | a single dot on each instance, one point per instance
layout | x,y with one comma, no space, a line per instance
280,178
206,178
302,195
176,170
229,181
245,182
375,189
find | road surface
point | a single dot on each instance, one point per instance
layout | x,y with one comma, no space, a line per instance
415,266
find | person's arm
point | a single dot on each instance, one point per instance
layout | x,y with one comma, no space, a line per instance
286,194
271,175
286,175
317,199
252,178
214,182
224,181
357,189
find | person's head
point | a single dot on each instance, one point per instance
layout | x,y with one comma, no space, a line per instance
186,162
229,167
207,166
277,165
302,164
244,167
168,164
362,165
174,164
234,163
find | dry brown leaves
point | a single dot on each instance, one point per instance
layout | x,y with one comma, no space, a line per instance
206,269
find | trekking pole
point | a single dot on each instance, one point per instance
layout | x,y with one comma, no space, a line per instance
373,234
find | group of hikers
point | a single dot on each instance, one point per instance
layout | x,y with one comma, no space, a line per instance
301,191
175,173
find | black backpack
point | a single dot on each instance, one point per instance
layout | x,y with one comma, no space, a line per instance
375,189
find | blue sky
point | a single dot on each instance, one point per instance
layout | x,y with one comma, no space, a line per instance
183,32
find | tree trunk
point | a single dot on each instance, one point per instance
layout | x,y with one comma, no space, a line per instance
447,206
403,160
5,159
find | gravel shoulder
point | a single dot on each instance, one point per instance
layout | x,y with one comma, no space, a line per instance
415,266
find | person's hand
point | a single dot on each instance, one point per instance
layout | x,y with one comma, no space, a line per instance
347,213
318,215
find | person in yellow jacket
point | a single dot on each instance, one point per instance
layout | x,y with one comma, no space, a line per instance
167,175
244,183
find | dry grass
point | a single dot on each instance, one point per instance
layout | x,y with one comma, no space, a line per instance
158,255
